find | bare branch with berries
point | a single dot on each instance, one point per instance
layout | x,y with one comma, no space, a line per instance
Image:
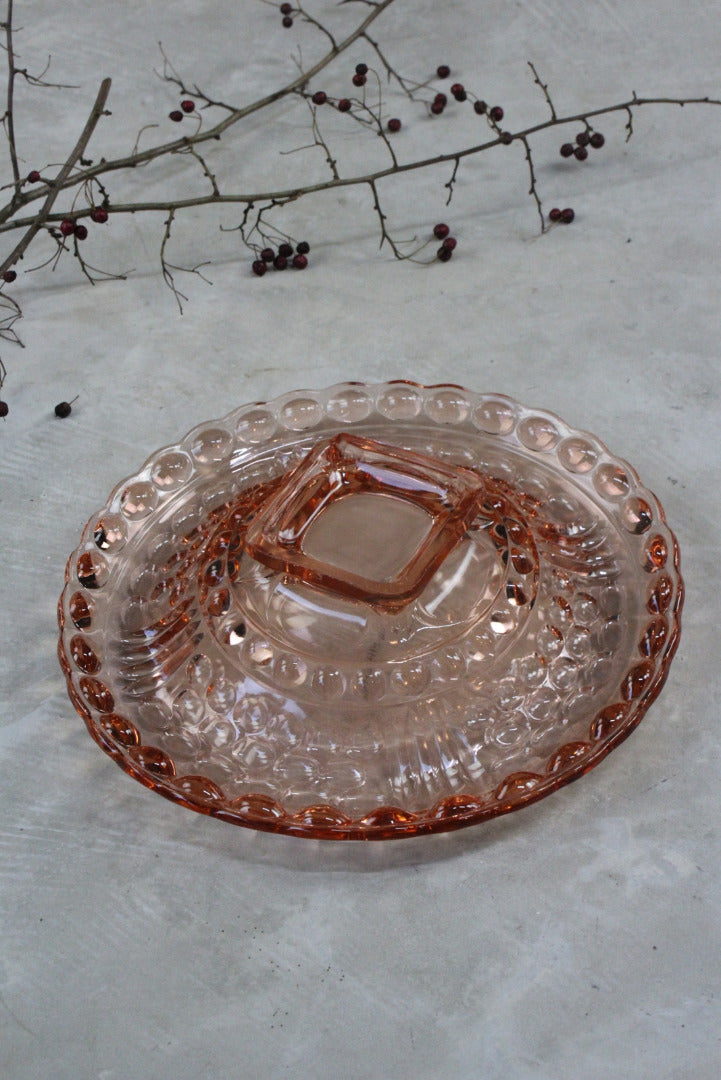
90,194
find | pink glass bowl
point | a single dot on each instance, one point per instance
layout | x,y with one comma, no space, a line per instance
370,612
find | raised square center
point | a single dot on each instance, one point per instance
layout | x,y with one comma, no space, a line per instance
365,519
367,533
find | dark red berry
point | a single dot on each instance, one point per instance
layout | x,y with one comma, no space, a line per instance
359,80
4,410
267,255
33,176
187,105
480,107
63,409
287,22
555,214
319,97
394,124
259,267
441,231
456,87
437,108
67,226
99,215
81,232
449,243
567,215
496,114
443,71
361,69
441,99
344,105
300,262
285,250
176,116
9,275
580,153
459,91
285,9
280,262
597,140
303,247
567,150
444,254
583,138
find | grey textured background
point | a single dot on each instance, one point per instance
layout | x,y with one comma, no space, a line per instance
577,938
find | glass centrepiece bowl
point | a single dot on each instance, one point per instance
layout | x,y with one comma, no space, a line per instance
370,612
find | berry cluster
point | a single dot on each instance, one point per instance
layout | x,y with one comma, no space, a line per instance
441,231
286,11
584,139
282,259
459,92
70,227
186,106
563,217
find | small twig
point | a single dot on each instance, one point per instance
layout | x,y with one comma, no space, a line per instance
533,189
544,88
42,216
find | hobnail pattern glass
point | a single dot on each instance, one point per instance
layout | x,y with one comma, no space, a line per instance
370,612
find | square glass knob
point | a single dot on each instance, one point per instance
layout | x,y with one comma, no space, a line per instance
365,520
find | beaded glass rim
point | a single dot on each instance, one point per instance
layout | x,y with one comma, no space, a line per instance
215,446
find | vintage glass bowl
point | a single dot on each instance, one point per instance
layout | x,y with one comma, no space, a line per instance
370,612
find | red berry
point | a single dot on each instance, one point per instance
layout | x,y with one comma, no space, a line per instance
437,108
259,267
9,275
285,250
176,115
285,9
361,69
441,99
280,262
567,215
359,80
99,215
580,153
67,226
496,114
567,150
63,409
456,87
597,140
33,176
444,254
287,22
300,262
267,254
394,124
344,105
187,105
303,247
554,214
441,231
480,107
4,410
319,97
81,232
449,243
443,71
583,138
